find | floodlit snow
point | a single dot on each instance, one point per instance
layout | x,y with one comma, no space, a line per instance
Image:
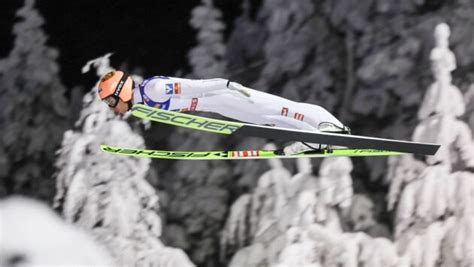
31,234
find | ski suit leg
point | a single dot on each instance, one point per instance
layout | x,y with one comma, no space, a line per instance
312,114
290,123
301,116
275,106
315,115
264,108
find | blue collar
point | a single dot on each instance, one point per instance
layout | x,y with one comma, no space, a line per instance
147,100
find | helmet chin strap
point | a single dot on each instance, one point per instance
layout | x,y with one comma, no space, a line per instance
130,102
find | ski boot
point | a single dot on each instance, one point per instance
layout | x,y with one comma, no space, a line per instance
300,147
329,127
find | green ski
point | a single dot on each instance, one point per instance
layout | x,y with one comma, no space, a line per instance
246,129
244,154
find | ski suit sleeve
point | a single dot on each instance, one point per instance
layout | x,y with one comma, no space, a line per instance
163,89
197,87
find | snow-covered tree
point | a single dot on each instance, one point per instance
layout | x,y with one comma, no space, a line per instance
206,58
108,195
297,221
293,60
433,198
469,99
33,109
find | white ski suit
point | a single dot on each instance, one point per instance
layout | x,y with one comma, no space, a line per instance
231,100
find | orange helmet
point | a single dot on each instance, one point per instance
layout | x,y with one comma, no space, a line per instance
115,85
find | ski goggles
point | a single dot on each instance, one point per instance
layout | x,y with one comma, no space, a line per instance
111,101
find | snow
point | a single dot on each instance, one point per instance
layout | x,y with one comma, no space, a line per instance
469,99
33,235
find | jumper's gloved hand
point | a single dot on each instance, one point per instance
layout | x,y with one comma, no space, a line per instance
238,88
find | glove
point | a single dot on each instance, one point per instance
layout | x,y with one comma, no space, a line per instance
238,88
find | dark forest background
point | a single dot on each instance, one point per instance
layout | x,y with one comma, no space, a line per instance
152,35
366,61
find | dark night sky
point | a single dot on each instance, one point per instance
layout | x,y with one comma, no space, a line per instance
151,34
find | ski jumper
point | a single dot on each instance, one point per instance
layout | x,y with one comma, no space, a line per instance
220,96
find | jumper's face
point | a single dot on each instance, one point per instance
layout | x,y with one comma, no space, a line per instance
122,107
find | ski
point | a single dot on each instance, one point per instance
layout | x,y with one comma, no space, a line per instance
245,129
244,154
